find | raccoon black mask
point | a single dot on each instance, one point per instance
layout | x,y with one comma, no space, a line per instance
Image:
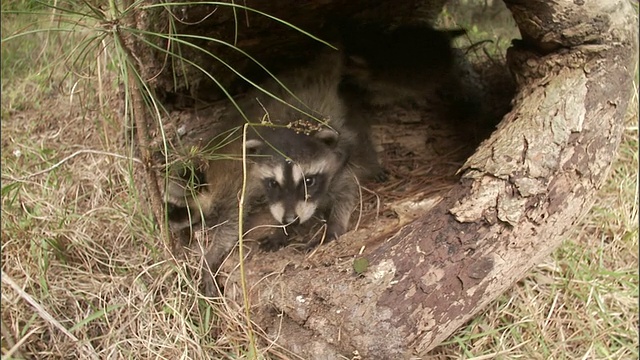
296,170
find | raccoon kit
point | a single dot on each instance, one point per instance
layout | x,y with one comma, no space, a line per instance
306,152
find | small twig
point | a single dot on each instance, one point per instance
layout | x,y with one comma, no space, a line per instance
503,352
476,45
184,22
15,349
140,117
241,208
360,203
86,348
79,152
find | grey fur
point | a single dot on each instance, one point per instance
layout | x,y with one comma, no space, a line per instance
320,138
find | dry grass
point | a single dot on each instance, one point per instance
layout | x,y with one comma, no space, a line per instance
85,276
78,244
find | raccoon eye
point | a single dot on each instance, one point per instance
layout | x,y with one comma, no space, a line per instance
310,181
272,183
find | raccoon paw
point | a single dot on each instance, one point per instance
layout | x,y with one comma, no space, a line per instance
330,236
382,175
209,286
311,245
274,242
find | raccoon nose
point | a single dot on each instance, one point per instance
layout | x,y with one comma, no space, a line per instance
292,219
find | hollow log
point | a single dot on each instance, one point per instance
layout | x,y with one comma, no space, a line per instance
518,196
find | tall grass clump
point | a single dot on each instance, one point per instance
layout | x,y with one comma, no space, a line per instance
86,266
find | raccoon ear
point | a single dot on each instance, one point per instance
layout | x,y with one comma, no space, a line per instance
327,136
253,146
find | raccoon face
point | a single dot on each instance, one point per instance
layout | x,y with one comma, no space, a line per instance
293,190
295,170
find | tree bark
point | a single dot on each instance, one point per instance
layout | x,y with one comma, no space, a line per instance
519,195
275,45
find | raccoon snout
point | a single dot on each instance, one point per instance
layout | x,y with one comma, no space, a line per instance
278,212
305,210
291,219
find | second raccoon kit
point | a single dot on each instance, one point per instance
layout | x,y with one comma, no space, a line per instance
404,63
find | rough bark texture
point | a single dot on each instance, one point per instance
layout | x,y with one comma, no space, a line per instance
519,194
